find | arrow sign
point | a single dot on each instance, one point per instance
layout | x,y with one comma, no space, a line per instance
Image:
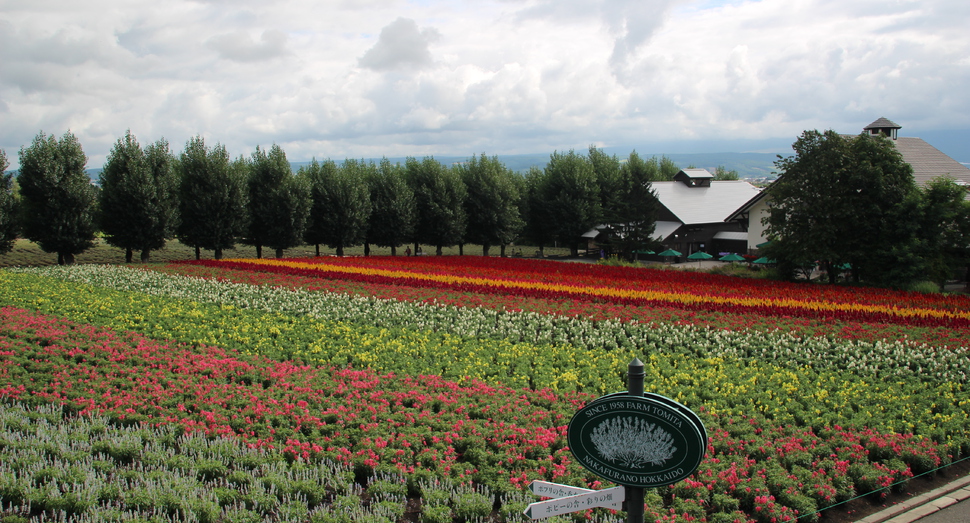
554,507
558,490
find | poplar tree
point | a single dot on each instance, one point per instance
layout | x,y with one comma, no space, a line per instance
440,195
392,215
212,198
609,178
138,204
340,205
491,202
57,196
9,224
279,203
539,225
572,193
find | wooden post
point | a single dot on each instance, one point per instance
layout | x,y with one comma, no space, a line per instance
634,495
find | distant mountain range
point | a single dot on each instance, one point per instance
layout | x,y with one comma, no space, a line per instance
748,165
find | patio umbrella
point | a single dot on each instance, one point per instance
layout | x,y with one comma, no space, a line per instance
763,260
699,255
669,252
731,258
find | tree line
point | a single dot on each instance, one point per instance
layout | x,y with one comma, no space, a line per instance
147,195
840,202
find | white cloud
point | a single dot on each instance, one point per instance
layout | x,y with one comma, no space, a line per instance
240,46
401,46
396,77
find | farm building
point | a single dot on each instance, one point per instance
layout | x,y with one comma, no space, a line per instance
694,213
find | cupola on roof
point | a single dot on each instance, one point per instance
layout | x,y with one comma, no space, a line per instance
883,126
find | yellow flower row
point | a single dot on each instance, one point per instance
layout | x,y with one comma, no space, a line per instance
619,293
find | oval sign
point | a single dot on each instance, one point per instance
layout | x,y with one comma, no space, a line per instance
674,404
636,441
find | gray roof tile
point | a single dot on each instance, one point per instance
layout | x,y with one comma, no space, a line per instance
696,205
929,162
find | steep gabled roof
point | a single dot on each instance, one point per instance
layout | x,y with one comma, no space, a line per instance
664,229
697,205
746,206
929,162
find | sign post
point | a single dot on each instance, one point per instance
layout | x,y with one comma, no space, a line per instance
637,440
634,495
633,439
608,498
558,490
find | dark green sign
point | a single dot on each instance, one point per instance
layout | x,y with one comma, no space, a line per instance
673,404
648,441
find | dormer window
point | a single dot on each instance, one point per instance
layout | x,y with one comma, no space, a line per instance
692,177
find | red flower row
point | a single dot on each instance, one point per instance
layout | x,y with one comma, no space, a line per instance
691,297
732,320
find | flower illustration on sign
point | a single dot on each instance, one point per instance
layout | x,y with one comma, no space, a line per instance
632,442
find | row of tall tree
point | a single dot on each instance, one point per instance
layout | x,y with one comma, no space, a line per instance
148,195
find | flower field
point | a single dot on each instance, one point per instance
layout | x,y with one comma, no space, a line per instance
434,389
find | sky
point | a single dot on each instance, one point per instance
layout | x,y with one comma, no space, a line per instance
370,78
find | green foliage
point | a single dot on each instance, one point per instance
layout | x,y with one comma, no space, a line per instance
722,174
944,229
571,189
610,179
614,260
924,286
536,210
57,196
436,514
666,169
392,217
212,197
138,208
9,223
279,203
340,203
492,202
845,200
635,216
439,195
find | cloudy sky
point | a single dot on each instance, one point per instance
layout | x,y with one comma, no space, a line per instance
370,78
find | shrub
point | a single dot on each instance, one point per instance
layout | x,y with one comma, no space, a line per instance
924,286
472,504
436,514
